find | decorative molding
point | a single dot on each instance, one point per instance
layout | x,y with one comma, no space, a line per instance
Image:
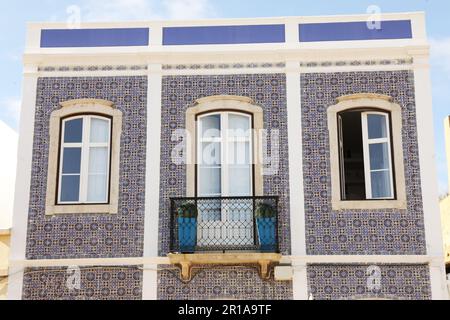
367,100
358,96
224,98
264,65
216,103
92,68
74,107
357,63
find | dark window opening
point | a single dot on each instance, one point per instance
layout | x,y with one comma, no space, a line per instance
366,164
352,157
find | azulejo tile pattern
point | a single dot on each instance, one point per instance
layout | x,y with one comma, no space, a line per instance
359,232
344,63
224,66
179,93
93,235
92,68
335,282
105,283
225,282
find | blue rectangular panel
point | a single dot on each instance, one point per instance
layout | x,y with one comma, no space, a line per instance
348,31
274,33
77,38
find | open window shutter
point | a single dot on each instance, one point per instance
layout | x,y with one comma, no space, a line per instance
341,158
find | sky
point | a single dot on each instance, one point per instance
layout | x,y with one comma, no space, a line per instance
15,14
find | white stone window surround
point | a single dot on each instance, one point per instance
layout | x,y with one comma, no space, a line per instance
219,103
70,109
367,101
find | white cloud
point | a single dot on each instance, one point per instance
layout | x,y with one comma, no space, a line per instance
120,10
189,9
440,53
10,108
114,10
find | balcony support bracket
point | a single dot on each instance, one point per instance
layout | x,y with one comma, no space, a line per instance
188,261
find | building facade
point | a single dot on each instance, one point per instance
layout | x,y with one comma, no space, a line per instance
7,178
281,158
445,202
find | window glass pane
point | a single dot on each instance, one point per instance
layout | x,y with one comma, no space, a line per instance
73,131
98,160
70,188
71,161
239,153
377,126
379,156
211,126
239,184
211,154
239,126
97,188
210,181
99,131
381,184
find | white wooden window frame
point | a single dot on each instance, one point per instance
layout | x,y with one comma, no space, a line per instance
367,142
85,146
224,141
374,102
69,109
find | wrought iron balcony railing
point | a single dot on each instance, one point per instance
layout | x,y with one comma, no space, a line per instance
224,224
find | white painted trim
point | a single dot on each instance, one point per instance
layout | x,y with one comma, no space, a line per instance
184,60
352,259
296,186
427,156
100,262
23,181
413,15
224,54
296,261
152,180
438,281
366,149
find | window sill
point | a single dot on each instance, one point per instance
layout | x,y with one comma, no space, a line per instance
81,209
368,205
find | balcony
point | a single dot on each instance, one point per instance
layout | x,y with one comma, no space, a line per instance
227,230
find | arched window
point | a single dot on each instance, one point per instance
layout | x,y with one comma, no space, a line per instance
224,154
225,148
366,169
85,158
83,168
366,153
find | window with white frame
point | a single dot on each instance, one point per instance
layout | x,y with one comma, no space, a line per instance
84,164
366,165
225,154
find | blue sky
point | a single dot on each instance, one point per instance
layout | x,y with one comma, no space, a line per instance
15,14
